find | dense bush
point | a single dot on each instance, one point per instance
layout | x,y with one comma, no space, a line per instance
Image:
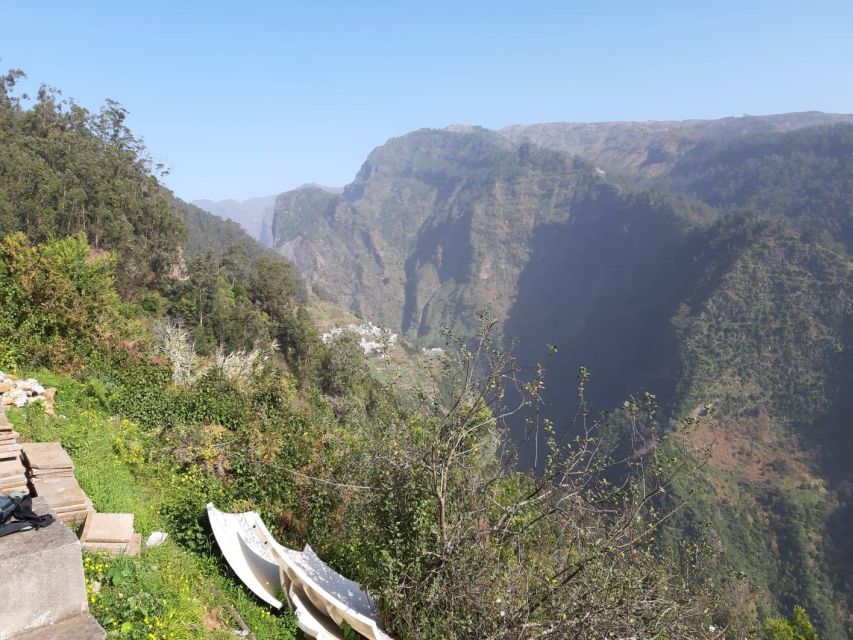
173,591
426,505
57,302
798,627
461,543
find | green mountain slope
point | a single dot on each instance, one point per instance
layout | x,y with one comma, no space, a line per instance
770,347
65,171
206,232
733,290
803,175
254,214
743,315
162,418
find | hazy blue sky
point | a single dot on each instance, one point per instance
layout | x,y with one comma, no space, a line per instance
251,98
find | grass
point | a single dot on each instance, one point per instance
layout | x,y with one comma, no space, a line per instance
168,592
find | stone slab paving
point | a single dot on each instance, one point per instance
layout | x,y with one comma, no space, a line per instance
130,548
13,483
65,497
60,492
11,468
72,508
46,456
49,474
108,527
110,532
8,451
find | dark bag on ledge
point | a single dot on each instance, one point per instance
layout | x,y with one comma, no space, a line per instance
16,514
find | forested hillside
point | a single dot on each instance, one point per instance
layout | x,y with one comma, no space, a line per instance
436,225
803,176
726,291
188,371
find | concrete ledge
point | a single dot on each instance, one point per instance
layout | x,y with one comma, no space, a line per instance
42,580
83,627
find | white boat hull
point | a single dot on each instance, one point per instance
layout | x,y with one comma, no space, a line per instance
238,540
321,598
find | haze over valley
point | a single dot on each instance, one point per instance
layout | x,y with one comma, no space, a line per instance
554,341
706,262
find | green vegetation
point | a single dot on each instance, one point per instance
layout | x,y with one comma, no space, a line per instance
169,591
732,289
336,469
189,370
645,152
54,300
799,627
206,232
65,171
803,176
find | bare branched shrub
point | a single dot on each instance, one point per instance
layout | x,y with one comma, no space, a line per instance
174,344
468,544
241,366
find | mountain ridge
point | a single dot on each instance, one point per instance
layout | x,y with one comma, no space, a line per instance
698,276
648,148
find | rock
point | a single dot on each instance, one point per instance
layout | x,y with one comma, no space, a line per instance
5,386
19,398
63,495
47,457
49,395
156,539
10,451
82,627
131,548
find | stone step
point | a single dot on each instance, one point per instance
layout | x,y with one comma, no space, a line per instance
42,578
83,627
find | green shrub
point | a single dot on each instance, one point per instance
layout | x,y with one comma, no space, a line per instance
141,598
177,590
214,400
57,302
798,627
183,507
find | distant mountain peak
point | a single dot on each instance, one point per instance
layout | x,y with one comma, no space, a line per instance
321,187
253,214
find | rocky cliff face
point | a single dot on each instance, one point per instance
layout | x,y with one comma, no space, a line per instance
731,283
436,225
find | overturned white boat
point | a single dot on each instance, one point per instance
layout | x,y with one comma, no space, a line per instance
242,540
321,598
